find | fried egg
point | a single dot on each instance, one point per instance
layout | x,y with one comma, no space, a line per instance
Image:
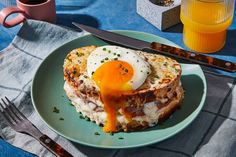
116,70
120,64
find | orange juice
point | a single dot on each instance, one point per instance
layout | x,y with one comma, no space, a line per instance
205,23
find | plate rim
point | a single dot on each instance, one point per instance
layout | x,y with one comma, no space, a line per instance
196,112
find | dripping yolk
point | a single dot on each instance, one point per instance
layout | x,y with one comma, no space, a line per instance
113,79
114,75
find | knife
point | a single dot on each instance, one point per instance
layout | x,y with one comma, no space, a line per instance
160,48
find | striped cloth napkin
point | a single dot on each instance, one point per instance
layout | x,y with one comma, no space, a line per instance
211,134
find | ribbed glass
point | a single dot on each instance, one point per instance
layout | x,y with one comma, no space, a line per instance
207,11
205,23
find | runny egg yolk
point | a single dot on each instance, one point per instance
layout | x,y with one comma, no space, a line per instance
113,80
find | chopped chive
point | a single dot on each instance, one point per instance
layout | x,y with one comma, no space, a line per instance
109,51
177,70
148,73
96,133
115,58
102,61
126,70
137,60
106,58
81,117
121,138
92,72
118,55
56,110
157,76
79,54
127,52
114,53
87,118
104,49
111,133
61,118
141,71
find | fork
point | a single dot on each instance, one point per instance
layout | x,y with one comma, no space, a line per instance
17,121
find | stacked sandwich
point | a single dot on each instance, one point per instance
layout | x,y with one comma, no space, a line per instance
122,89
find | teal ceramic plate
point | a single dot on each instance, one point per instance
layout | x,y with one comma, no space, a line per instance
47,93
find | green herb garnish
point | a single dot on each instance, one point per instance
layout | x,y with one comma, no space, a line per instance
79,54
56,110
87,118
104,49
81,117
157,76
96,133
177,70
165,64
111,133
61,118
121,138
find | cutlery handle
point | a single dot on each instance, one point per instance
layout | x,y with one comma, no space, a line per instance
194,57
53,147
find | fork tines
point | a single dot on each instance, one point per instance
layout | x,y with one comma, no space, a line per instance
17,121
10,113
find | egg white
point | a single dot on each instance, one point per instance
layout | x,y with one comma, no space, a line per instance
104,54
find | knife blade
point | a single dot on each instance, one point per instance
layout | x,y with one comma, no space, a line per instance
160,48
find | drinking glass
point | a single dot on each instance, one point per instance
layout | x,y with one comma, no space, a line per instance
205,23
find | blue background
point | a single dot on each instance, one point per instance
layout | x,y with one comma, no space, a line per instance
109,15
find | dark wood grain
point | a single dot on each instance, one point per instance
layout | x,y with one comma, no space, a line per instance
194,57
55,148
